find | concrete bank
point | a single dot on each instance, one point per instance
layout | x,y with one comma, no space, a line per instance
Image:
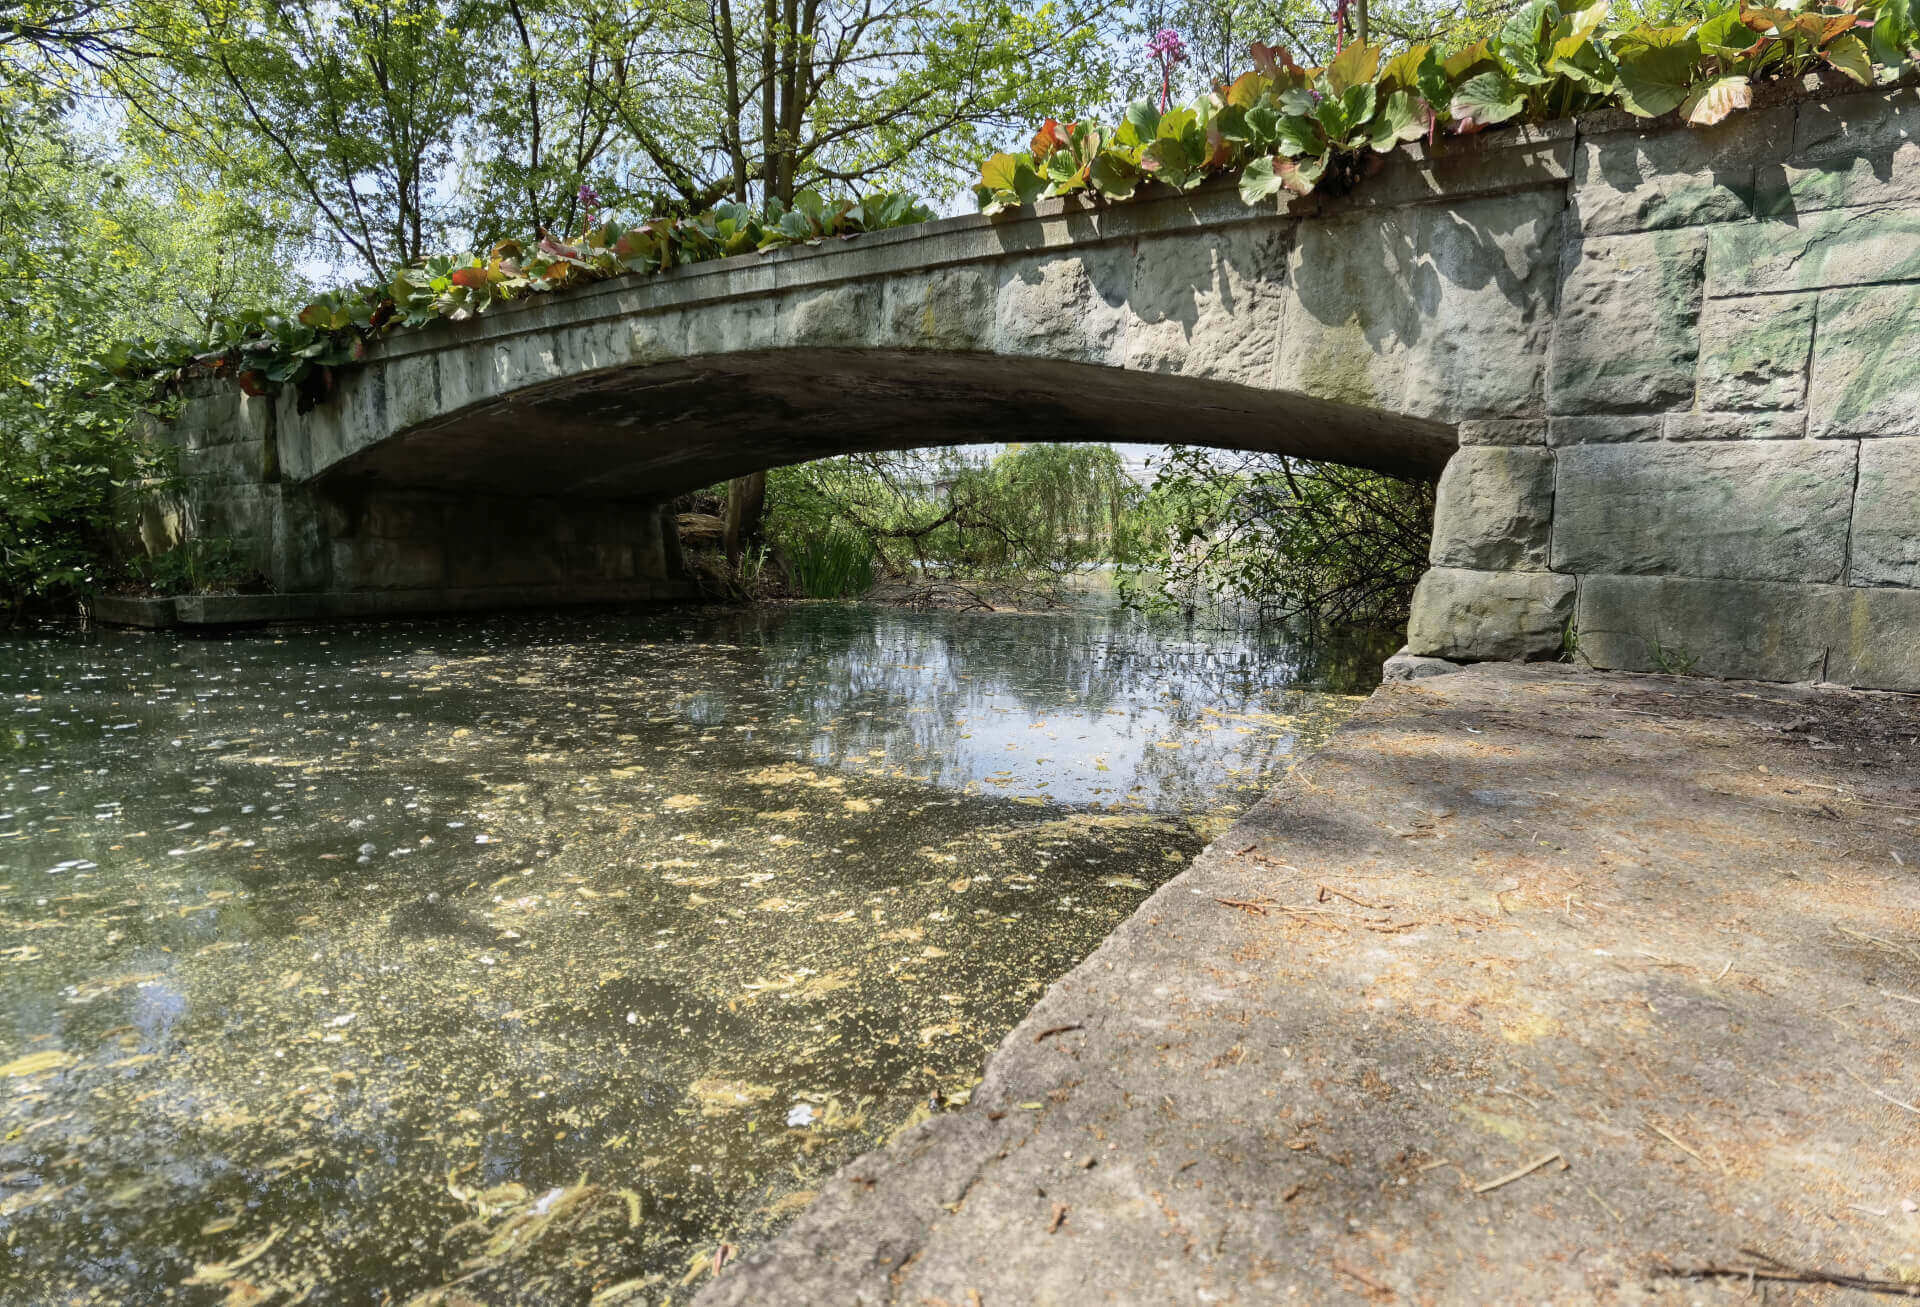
1533,985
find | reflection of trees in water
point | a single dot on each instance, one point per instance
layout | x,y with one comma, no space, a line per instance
913,690
844,654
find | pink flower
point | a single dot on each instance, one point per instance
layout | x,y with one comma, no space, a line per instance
1169,49
1167,46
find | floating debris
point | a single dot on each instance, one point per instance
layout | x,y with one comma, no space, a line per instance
553,960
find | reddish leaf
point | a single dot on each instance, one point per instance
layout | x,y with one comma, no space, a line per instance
1051,136
1219,149
471,278
1270,59
253,383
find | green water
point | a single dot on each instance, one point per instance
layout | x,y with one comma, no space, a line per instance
540,956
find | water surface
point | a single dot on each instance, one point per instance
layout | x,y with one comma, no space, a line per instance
532,959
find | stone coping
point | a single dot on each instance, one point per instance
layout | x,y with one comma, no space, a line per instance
218,611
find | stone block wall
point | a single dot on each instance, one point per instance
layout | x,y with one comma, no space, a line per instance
1725,476
349,551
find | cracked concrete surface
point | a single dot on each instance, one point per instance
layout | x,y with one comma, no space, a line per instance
1659,937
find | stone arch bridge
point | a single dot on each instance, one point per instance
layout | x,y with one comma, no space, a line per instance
1669,380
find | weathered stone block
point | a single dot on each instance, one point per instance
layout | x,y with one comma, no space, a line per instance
377,563
1752,511
1438,311
1876,639
1654,178
1072,308
235,462
1511,431
297,559
731,326
1603,429
1404,666
1753,352
1866,363
1841,247
951,308
1472,616
1852,150
659,337
845,316
1760,424
1690,626
1863,124
1886,515
1493,510
1627,334
1206,305
1525,158
1486,288
1351,319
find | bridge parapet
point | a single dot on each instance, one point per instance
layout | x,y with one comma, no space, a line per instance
1681,370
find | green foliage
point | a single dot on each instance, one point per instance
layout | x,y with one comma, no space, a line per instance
1022,517
1288,127
209,563
836,562
1297,540
264,351
94,245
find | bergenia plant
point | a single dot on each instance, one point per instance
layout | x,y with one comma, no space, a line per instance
1168,49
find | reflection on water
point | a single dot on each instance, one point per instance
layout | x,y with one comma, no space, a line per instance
536,957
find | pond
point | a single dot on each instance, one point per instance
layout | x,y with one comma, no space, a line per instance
549,958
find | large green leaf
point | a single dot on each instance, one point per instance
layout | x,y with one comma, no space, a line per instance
1113,176
1849,54
1167,161
1300,135
1724,36
1013,174
1577,28
1470,62
1351,67
1261,180
1403,70
1263,124
1655,79
1893,33
1402,117
1143,116
1521,39
1487,99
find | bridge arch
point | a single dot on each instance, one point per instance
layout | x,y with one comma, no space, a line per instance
1648,364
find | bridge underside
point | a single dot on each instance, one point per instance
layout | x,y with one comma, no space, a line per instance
653,433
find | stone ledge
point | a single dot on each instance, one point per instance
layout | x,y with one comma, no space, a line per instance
1250,1105
216,611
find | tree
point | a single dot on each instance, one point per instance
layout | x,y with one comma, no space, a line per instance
97,246
352,105
758,98
1020,518
1317,542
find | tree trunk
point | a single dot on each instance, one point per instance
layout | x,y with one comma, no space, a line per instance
746,501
